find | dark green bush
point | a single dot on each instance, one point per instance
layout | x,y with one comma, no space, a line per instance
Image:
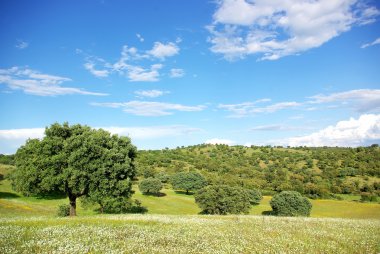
290,203
368,197
255,196
188,181
63,210
223,199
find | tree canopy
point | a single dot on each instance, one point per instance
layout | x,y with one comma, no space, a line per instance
188,181
290,203
223,199
150,186
76,161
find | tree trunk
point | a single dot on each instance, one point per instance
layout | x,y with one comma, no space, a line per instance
73,205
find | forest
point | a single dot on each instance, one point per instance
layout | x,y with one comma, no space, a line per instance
318,172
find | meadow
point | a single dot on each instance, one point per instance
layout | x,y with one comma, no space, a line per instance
172,225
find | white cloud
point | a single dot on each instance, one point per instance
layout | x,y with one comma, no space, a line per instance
161,51
362,100
137,73
130,63
22,44
177,73
277,28
148,108
354,132
219,141
150,93
251,108
141,39
36,83
97,73
375,42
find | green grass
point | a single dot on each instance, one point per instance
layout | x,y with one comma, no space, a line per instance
188,234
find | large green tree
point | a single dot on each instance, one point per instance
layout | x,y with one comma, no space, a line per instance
76,161
223,199
150,186
188,181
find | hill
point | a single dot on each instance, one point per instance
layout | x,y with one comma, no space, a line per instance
316,172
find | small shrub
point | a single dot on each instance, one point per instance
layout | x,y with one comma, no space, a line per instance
63,210
290,203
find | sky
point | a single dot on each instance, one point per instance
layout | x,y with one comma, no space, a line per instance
176,73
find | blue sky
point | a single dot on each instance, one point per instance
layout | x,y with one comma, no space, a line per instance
172,73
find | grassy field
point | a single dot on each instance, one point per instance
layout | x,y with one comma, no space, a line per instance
188,234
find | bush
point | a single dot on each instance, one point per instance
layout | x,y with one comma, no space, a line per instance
290,203
63,210
255,196
121,205
150,186
223,199
368,197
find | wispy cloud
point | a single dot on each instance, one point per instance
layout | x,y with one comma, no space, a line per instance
141,39
177,73
150,93
375,42
36,83
90,66
133,62
361,100
137,73
274,29
278,127
22,44
252,108
354,132
149,108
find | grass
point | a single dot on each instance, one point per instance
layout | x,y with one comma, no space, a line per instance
188,234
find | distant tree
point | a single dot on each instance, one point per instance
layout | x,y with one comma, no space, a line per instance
290,203
255,196
188,181
76,161
163,177
150,186
223,199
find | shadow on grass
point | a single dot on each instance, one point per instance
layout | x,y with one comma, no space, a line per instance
184,192
8,195
160,194
268,213
52,196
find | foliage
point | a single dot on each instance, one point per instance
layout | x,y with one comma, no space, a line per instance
76,161
63,210
188,181
118,205
223,199
7,159
316,172
368,197
255,196
150,186
290,203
